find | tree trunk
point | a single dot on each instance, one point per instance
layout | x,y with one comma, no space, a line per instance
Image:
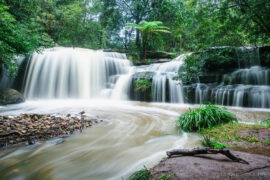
144,47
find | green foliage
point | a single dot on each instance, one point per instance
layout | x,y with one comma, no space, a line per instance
146,28
227,133
266,123
207,116
26,25
208,142
142,174
19,34
143,85
191,69
165,176
267,142
210,60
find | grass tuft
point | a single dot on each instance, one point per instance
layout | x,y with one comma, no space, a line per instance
207,116
208,142
142,174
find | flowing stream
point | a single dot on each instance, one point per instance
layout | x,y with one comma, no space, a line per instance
133,134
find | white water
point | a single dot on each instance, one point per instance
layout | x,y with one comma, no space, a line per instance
133,135
165,88
247,88
255,75
72,73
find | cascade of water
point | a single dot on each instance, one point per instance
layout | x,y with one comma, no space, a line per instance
247,56
234,95
165,88
122,87
72,72
244,87
255,75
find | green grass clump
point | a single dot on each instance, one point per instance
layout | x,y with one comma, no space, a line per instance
165,176
208,142
142,174
207,116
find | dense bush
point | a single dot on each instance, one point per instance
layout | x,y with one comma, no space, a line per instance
206,116
202,62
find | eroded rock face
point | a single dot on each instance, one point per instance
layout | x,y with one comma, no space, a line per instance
214,167
10,96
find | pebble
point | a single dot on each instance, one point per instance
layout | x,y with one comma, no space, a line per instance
33,127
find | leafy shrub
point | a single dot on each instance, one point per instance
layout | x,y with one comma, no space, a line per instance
221,58
143,85
202,62
142,174
266,123
206,116
208,142
191,69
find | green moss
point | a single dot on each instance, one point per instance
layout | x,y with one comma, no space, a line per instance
207,116
142,174
228,133
267,142
143,85
197,164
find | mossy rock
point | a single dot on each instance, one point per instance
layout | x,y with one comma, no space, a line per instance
265,56
10,96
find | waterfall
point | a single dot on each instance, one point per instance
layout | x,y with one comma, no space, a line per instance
165,87
244,88
255,75
247,56
72,73
58,73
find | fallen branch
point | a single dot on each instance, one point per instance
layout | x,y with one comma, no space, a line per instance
185,152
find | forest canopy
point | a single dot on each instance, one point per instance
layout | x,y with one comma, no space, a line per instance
28,25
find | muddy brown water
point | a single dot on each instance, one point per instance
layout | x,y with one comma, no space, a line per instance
132,136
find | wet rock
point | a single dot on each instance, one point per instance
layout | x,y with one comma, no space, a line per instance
214,167
31,142
28,128
10,96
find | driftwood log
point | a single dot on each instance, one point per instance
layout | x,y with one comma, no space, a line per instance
185,152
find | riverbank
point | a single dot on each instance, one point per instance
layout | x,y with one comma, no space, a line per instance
27,129
250,142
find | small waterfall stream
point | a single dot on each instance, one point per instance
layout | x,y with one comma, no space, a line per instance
61,73
245,87
73,73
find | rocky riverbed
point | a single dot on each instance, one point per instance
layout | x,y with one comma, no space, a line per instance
26,129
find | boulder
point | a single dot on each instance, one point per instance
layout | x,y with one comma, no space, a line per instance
10,96
265,56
